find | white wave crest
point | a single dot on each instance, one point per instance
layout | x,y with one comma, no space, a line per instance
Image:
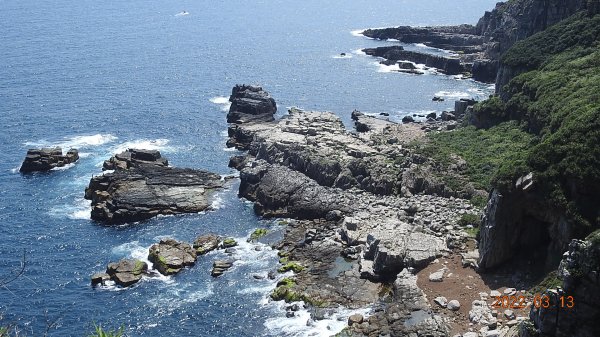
346,56
301,325
453,94
77,142
222,101
146,144
357,32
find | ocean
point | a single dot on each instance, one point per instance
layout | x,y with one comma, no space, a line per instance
106,76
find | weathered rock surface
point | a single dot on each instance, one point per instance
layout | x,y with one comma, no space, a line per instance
250,104
577,316
46,159
127,271
364,213
170,256
206,243
135,157
138,191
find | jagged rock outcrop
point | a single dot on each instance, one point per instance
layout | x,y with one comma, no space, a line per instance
126,272
249,105
574,309
144,190
46,159
520,219
448,65
170,256
135,157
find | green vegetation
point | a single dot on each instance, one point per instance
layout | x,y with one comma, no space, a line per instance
487,152
99,332
551,281
473,232
469,219
557,99
139,267
257,234
293,266
229,242
479,201
285,292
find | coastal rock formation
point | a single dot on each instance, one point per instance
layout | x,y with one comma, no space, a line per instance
46,159
359,217
135,157
480,47
127,271
144,190
206,243
220,267
397,54
574,309
170,256
249,105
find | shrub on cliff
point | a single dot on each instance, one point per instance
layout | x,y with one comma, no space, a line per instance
559,100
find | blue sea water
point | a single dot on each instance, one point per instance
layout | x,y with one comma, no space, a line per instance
103,76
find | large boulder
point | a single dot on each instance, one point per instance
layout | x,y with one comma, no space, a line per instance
170,256
127,271
46,159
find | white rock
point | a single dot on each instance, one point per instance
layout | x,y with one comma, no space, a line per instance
454,305
441,301
492,333
437,276
512,322
510,291
495,293
470,334
509,314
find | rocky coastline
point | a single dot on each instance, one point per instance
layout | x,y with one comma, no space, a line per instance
362,225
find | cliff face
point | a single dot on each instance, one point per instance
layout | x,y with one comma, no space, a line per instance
514,21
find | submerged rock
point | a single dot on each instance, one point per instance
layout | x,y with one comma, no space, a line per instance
46,159
170,256
127,271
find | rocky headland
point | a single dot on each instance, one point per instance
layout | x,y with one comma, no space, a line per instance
143,186
539,216
479,47
370,212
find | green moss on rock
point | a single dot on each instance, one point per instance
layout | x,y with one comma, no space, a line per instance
293,266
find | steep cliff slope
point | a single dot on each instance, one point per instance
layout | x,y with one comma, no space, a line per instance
556,98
